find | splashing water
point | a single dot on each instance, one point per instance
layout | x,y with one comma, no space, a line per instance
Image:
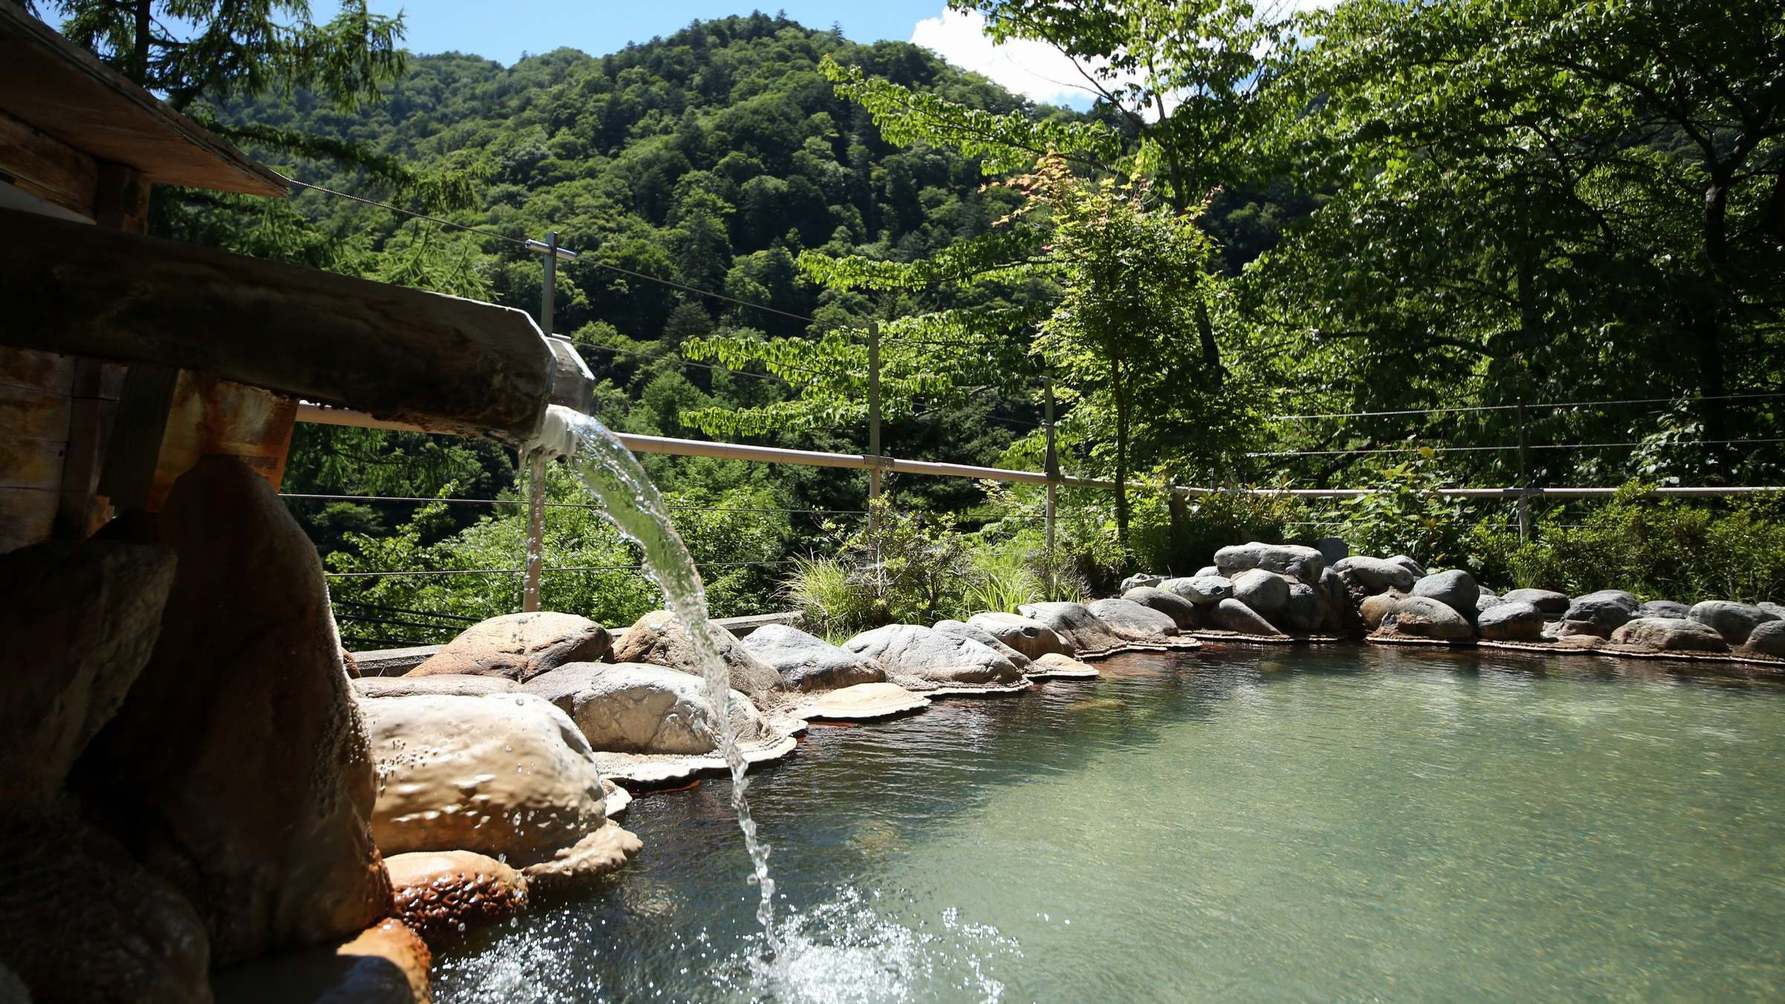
632,504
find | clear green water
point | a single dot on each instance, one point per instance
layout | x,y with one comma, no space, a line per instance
1296,825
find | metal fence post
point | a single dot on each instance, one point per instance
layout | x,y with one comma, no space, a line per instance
536,467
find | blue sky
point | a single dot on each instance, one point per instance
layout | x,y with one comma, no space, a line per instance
505,29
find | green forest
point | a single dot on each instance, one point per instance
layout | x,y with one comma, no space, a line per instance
1386,245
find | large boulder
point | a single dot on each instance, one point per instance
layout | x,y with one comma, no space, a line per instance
1136,623
1767,638
1511,620
1775,609
661,638
930,656
519,646
80,620
634,707
1200,590
1264,591
85,922
1071,621
1455,589
1304,611
1734,621
1141,580
1340,615
1181,611
1669,634
1232,615
1426,617
440,895
445,683
1664,608
1030,637
507,775
1333,549
807,662
1598,614
386,963
1414,568
1376,607
1547,600
1293,560
237,766
976,633
1367,576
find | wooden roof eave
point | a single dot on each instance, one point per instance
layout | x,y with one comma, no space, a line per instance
67,93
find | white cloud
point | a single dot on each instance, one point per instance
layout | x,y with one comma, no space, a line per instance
1035,70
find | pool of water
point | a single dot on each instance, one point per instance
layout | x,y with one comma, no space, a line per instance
1267,825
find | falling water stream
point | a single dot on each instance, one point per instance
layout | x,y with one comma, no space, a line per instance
632,503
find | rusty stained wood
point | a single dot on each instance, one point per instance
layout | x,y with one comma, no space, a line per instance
65,91
46,167
440,362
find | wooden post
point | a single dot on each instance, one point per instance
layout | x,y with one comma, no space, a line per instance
1524,480
1050,466
536,463
873,416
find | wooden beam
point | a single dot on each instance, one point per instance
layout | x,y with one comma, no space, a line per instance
46,167
65,91
440,362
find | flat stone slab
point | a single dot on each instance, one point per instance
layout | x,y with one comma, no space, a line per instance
670,768
862,702
1055,666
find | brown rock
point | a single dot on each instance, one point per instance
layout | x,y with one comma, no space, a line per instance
661,639
237,767
80,620
1377,606
1426,617
386,963
574,867
519,646
1669,634
442,894
83,922
507,775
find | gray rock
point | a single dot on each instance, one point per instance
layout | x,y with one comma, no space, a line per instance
1264,591
1511,620
1181,611
1333,549
1032,638
1336,602
1206,570
1134,622
1082,630
1418,570
1426,617
1767,638
930,655
1455,589
1368,576
1141,580
1547,600
1669,634
1772,608
1734,621
1202,590
807,662
984,637
1232,615
1303,612
635,707
1664,608
1598,614
1485,600
1294,560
